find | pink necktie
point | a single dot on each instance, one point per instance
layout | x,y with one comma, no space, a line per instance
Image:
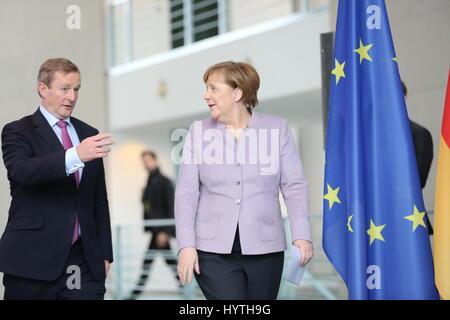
67,143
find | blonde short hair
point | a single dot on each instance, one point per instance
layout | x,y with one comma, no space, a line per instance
240,75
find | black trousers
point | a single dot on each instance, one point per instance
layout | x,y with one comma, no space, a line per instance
75,283
239,277
171,261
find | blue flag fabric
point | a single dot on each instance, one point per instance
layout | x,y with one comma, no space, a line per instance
373,231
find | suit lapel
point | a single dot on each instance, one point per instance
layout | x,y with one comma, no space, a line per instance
79,128
46,132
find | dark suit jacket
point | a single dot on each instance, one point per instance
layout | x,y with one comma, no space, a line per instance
41,219
158,200
423,147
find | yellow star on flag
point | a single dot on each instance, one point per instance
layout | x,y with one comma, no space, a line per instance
375,232
338,70
363,51
417,219
349,221
395,59
332,196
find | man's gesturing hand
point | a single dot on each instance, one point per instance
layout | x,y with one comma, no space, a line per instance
94,147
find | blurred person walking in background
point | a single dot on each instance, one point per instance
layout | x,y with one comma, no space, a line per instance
158,200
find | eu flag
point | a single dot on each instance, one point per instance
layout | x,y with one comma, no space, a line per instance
373,231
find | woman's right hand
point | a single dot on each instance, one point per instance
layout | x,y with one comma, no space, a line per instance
187,263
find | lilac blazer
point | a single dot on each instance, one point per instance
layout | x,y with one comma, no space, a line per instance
224,182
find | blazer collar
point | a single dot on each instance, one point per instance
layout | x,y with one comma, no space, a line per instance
252,123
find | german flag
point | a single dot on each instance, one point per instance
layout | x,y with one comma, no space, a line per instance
442,206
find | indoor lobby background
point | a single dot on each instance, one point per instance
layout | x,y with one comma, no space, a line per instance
142,63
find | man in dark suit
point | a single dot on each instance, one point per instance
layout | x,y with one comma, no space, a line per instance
423,147
57,241
158,201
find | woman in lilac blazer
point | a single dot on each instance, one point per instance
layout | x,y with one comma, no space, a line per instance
227,211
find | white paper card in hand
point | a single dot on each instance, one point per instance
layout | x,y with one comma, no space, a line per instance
296,272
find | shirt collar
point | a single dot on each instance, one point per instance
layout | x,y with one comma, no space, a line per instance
51,119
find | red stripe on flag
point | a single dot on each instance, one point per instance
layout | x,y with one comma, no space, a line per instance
446,118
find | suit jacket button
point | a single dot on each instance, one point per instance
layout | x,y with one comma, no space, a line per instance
238,201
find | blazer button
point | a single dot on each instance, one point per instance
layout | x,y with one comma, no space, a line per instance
238,201
238,183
